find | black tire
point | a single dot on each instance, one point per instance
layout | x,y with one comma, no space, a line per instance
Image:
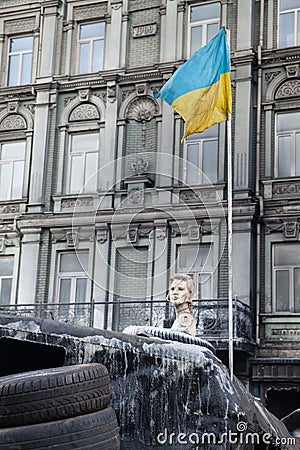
95,431
53,394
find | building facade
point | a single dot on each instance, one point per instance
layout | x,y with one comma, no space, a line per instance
100,201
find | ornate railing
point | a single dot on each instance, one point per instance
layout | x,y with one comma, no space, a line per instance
211,315
74,313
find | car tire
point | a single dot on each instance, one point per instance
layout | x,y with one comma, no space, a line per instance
95,431
53,394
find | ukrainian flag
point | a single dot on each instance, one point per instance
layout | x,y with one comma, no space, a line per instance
200,90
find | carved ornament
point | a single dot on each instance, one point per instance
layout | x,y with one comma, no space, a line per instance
135,196
283,189
9,209
142,110
290,230
77,202
139,167
269,76
290,88
72,238
85,111
13,122
2,244
102,235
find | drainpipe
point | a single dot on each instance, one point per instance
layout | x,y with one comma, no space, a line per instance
257,177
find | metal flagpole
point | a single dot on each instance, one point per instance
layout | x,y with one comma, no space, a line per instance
229,237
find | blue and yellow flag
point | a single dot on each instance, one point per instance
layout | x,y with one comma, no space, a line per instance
200,90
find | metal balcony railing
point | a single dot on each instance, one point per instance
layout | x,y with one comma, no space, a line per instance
211,315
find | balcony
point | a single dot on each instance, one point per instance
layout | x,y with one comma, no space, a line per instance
211,317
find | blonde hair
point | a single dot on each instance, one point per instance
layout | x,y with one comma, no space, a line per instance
189,283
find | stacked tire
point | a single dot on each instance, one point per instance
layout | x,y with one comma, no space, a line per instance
62,408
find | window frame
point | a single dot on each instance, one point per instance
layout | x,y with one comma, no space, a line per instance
203,179
69,163
290,269
20,65
91,44
208,271
12,288
292,133
5,142
295,11
200,23
74,276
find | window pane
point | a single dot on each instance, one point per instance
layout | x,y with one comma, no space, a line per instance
14,150
91,172
205,286
26,68
297,290
210,161
13,70
84,58
205,12
92,30
17,182
286,30
282,290
5,181
289,4
80,294
284,156
5,294
298,29
98,52
297,166
194,257
288,122
80,290
196,38
77,174
21,44
6,266
212,30
64,290
287,255
73,262
84,142
192,163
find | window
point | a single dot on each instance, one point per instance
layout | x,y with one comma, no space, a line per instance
202,157
6,276
289,23
20,60
12,162
83,163
72,281
286,277
288,144
197,261
91,47
204,23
